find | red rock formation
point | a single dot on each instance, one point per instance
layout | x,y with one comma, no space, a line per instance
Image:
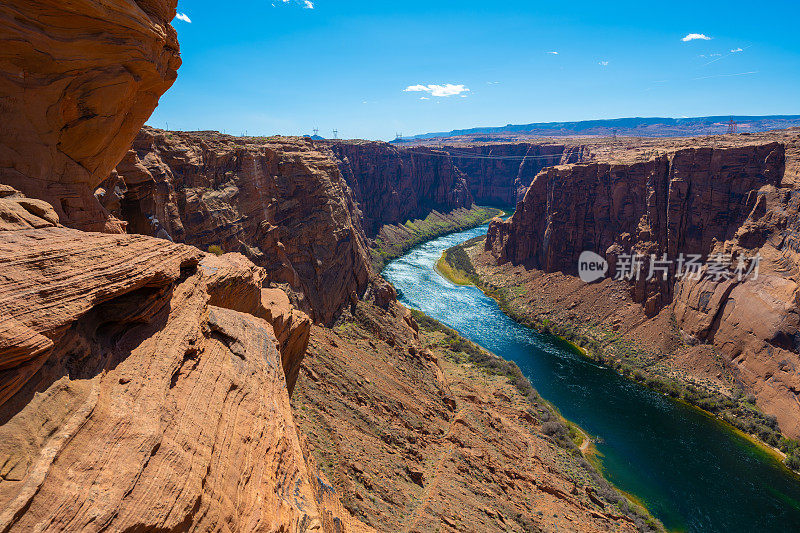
78,79
142,382
394,185
499,174
112,343
695,201
280,202
681,203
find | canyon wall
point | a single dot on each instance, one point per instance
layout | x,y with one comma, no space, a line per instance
304,210
393,185
684,202
279,201
77,81
706,201
499,174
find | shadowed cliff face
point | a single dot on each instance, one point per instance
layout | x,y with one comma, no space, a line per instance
394,185
499,174
305,210
77,81
685,202
704,201
280,202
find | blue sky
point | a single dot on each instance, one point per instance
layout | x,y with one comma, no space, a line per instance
285,67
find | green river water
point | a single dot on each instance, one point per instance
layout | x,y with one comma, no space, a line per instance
692,472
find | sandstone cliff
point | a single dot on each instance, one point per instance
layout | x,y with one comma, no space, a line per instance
279,201
77,81
499,174
735,335
683,202
161,361
392,186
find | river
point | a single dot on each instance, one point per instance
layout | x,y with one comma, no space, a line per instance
691,471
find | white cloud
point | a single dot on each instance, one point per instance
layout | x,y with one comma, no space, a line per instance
307,4
695,37
727,75
424,98
445,90
184,17
492,82
737,50
603,63
553,52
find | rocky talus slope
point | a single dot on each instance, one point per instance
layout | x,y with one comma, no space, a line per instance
420,430
729,336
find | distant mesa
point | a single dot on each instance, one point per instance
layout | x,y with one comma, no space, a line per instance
627,127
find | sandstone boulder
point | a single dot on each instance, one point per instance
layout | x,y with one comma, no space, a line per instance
77,81
129,401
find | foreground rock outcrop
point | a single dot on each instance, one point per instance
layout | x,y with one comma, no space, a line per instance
162,362
144,385
727,334
77,81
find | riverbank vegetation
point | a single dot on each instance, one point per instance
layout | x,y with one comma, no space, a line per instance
609,348
393,241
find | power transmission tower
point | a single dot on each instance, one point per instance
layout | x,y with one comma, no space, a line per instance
615,134
316,131
335,134
733,127
398,136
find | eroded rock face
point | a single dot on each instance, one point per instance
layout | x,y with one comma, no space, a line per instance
499,174
164,363
280,202
684,202
77,81
394,185
694,201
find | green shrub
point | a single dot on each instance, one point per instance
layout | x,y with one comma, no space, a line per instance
216,250
793,462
